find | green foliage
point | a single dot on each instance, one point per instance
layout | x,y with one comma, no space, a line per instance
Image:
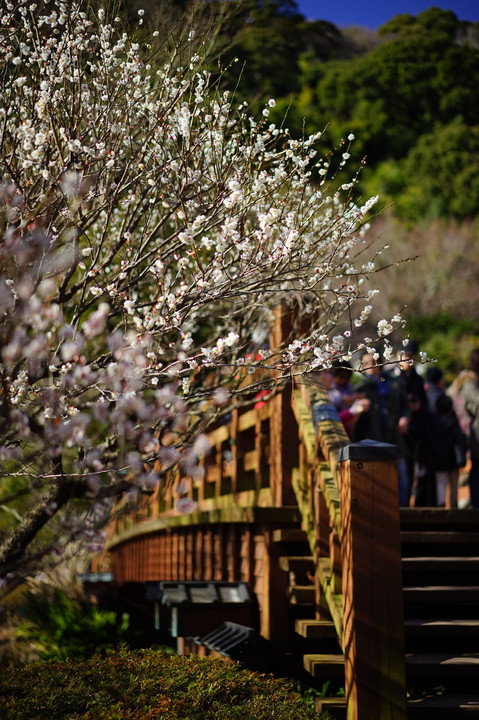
412,101
448,340
401,92
146,685
442,175
62,628
438,178
419,79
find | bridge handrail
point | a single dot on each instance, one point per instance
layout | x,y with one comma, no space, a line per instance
239,476
348,497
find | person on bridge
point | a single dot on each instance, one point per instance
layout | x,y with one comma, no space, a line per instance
470,393
447,450
388,417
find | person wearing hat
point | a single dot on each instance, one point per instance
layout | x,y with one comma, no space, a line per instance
413,461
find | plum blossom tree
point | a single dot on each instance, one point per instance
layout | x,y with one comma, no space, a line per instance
148,230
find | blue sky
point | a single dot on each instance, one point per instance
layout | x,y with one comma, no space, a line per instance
372,13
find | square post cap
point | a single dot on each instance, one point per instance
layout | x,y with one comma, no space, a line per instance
368,450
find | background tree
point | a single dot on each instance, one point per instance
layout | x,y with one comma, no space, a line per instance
420,77
149,229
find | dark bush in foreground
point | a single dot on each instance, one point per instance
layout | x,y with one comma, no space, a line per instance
146,685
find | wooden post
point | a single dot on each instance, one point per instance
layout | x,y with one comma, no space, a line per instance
275,600
235,470
283,427
372,583
335,557
284,448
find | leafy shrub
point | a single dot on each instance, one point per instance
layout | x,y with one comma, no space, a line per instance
147,684
57,627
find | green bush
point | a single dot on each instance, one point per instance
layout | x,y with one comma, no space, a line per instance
57,627
145,685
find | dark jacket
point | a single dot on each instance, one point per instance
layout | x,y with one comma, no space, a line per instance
388,398
447,442
470,393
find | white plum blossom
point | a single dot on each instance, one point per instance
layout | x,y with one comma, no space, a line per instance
150,232
384,328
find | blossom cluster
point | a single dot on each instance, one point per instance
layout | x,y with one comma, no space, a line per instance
149,229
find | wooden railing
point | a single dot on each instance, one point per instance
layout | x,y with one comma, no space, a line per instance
348,496
250,465
288,462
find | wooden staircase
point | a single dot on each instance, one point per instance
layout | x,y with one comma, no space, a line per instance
440,562
440,557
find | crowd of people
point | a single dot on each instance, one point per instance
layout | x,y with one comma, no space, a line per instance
436,429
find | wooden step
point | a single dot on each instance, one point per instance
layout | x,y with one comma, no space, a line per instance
441,628
440,537
437,570
325,666
457,594
301,594
436,707
295,563
333,705
289,535
315,629
448,564
438,665
437,518
301,568
443,707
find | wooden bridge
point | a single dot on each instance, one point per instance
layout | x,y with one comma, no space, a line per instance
358,593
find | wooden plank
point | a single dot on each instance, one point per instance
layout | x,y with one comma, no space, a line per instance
336,563
199,554
233,553
220,569
168,557
288,535
330,490
315,629
293,563
174,556
440,537
439,517
325,666
431,594
441,628
284,448
235,461
372,590
190,545
181,553
334,601
162,568
246,554
208,553
275,611
220,434
462,665
331,704
301,594
305,424
226,511
442,564
322,524
466,705
247,420
250,460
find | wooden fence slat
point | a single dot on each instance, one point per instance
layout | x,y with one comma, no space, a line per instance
372,585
